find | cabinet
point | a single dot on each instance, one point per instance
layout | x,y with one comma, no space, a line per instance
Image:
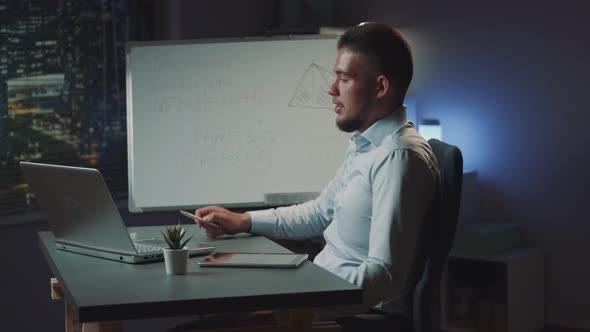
503,292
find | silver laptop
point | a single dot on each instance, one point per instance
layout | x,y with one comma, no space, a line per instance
84,218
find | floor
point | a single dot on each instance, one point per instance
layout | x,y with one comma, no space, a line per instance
556,328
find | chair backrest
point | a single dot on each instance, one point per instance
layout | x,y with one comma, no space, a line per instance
438,234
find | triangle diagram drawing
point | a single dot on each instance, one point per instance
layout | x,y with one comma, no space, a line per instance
312,91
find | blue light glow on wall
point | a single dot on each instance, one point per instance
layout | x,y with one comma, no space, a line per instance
430,128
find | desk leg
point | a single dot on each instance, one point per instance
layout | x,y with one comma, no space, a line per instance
300,318
73,325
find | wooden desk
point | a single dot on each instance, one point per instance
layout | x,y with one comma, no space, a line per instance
99,290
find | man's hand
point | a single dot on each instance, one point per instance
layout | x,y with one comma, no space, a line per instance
230,222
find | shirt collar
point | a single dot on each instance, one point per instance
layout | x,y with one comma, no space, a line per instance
381,129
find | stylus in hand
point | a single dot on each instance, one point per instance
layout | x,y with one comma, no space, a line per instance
192,216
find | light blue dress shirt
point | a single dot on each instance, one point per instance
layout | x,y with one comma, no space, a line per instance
369,214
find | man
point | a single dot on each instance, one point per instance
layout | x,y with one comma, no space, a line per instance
371,211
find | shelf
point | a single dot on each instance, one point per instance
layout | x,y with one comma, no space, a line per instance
502,292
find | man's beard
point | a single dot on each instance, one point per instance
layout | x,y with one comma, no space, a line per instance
349,125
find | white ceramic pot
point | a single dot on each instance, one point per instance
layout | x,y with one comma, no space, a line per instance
176,260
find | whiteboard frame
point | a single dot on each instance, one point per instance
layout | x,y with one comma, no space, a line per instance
134,208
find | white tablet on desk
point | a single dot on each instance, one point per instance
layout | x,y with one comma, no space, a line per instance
231,259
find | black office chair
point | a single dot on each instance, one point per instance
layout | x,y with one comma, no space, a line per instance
439,237
435,240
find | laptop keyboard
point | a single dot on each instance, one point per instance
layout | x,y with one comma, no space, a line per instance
145,248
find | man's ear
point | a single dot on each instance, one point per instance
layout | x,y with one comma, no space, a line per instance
383,86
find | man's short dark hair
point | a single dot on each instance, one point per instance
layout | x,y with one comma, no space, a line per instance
386,49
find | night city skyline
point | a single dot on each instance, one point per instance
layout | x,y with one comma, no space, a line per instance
62,89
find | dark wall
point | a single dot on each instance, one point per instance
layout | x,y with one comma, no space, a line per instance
26,303
509,83
182,19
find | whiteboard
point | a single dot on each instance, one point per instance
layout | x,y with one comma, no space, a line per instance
230,122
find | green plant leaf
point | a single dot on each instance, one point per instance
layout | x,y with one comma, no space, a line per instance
186,241
174,235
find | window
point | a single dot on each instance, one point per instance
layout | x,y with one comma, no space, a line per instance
64,107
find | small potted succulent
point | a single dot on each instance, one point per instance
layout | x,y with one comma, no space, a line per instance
176,255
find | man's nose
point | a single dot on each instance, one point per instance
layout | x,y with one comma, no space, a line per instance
332,90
